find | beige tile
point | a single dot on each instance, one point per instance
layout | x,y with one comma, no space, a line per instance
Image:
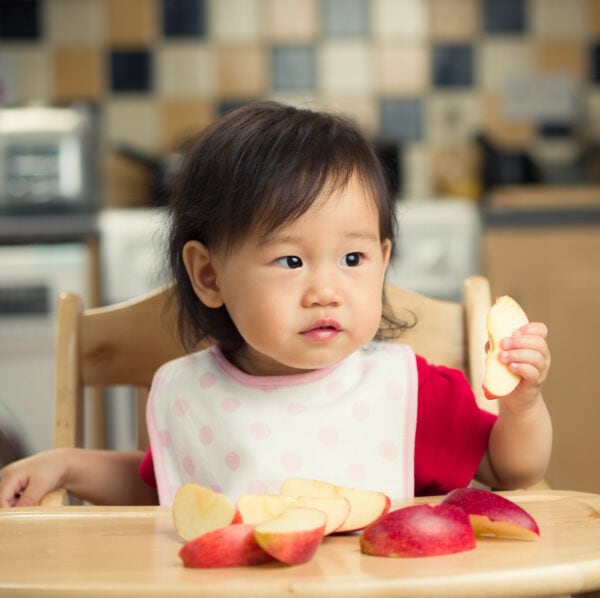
362,110
558,18
292,21
131,22
183,119
186,69
417,172
402,68
78,73
561,56
592,107
502,60
236,20
346,66
74,21
404,19
29,74
503,129
134,121
455,20
453,117
241,71
592,17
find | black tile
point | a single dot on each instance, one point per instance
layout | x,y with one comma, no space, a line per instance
20,19
131,70
504,16
184,18
453,65
595,63
556,129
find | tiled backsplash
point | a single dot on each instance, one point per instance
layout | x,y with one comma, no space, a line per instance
428,74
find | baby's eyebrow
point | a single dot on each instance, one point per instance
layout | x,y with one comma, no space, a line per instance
284,239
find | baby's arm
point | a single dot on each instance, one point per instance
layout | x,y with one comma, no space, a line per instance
521,440
100,477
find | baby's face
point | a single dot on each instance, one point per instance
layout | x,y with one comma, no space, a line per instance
311,293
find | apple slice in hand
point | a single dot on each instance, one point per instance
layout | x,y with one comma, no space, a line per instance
493,514
419,530
294,536
365,505
257,508
231,546
504,317
198,509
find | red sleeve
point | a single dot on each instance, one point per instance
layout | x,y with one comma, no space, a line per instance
146,469
452,431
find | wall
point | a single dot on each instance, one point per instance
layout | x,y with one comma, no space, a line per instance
428,74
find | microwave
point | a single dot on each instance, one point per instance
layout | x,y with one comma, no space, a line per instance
48,160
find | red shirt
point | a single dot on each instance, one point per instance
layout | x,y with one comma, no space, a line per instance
451,436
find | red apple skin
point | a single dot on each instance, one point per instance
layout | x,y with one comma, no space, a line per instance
417,531
231,546
492,513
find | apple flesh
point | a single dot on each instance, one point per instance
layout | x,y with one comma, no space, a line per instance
231,546
418,531
294,536
504,317
493,514
258,508
198,509
366,506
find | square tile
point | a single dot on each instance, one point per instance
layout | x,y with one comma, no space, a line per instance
182,119
292,21
401,119
241,71
594,58
186,69
345,17
399,19
20,19
455,20
236,20
557,18
74,21
592,17
30,72
453,65
293,67
184,18
402,68
417,172
346,66
134,22
363,110
453,117
592,110
501,127
504,16
131,70
561,56
503,59
78,73
133,121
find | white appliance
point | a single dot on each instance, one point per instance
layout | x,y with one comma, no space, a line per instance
31,278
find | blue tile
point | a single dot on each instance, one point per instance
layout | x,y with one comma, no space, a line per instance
184,18
401,119
20,19
345,17
131,70
452,65
293,68
504,16
229,105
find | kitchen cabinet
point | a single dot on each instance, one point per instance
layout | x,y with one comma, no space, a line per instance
542,246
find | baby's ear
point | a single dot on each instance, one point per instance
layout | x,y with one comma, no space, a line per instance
202,273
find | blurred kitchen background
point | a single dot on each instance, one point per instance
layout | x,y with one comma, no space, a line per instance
485,112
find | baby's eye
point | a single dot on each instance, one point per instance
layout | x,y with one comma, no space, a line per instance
352,259
289,261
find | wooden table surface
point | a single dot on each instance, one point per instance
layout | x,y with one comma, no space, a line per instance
85,551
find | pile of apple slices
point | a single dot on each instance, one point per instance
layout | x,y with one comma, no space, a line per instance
286,527
447,528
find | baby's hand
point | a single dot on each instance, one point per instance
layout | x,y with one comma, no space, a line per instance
526,353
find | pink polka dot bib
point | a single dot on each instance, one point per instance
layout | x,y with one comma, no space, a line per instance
352,424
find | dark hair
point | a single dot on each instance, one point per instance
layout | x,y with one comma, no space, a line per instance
255,169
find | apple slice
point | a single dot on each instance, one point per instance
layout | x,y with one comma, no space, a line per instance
365,505
493,514
231,546
419,530
504,317
294,536
198,509
257,508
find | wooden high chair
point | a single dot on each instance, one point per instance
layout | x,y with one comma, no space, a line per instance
125,343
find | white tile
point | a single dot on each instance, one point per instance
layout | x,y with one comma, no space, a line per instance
74,21
236,20
503,60
186,70
133,121
558,18
417,172
406,19
345,66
